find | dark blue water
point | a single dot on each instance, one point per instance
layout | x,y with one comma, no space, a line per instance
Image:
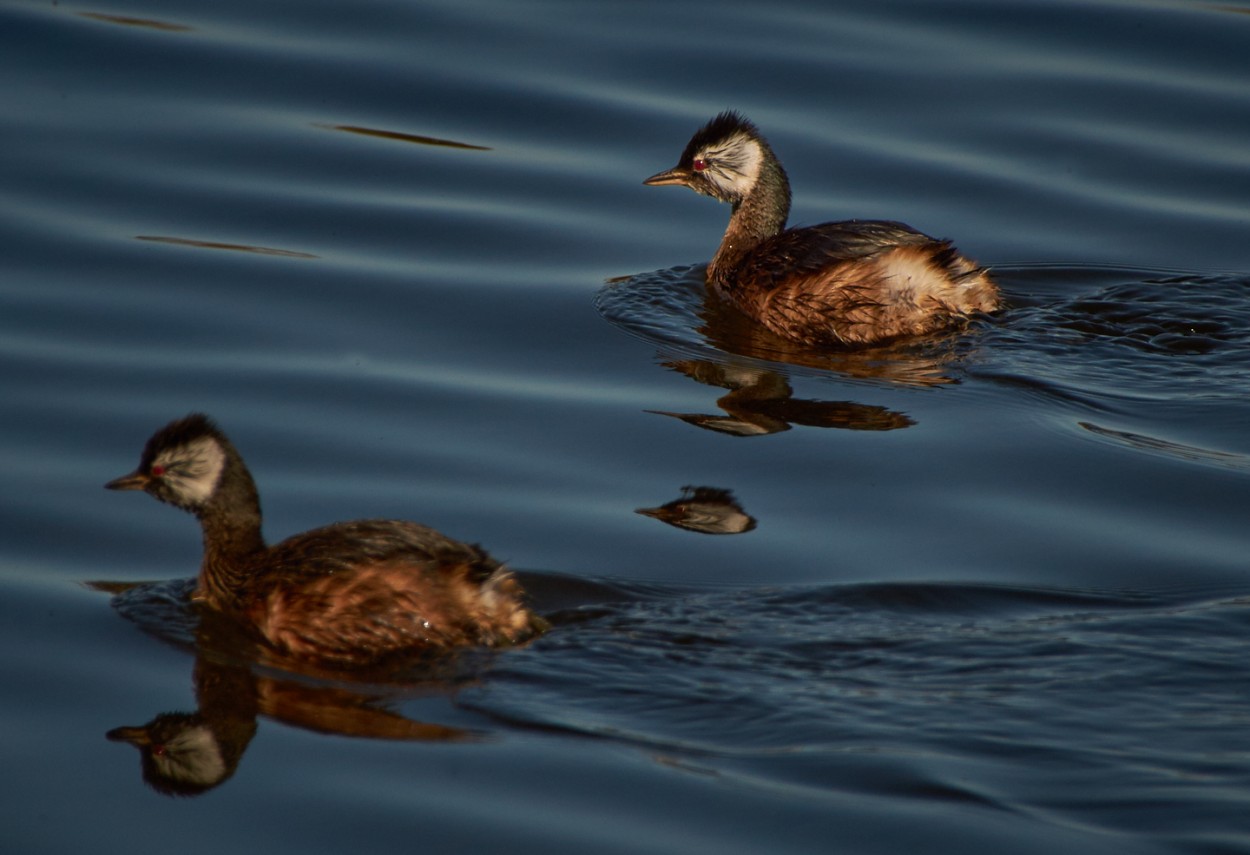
977,593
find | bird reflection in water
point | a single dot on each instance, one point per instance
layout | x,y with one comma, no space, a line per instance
713,343
708,510
761,401
674,309
189,753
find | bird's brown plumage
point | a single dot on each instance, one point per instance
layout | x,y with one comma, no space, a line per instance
350,593
857,282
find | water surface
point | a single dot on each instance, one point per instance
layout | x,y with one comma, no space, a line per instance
985,592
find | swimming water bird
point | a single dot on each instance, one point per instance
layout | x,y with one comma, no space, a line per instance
857,282
352,593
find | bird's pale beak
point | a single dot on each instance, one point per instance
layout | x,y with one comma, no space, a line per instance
676,175
134,481
137,736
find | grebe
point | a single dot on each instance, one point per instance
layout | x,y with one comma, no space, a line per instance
850,283
350,593
707,510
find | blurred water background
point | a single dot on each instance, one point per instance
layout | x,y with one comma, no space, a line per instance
982,593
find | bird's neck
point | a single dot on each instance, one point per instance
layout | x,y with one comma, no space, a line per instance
231,524
759,215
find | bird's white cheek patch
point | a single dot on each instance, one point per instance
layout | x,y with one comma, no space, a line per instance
193,470
736,165
192,757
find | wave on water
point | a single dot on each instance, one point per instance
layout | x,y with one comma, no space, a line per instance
1196,326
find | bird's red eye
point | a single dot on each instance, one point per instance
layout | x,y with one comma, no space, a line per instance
157,471
699,164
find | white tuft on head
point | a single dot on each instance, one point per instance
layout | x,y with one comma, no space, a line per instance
192,470
733,164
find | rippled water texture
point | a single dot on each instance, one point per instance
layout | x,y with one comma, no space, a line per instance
982,592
